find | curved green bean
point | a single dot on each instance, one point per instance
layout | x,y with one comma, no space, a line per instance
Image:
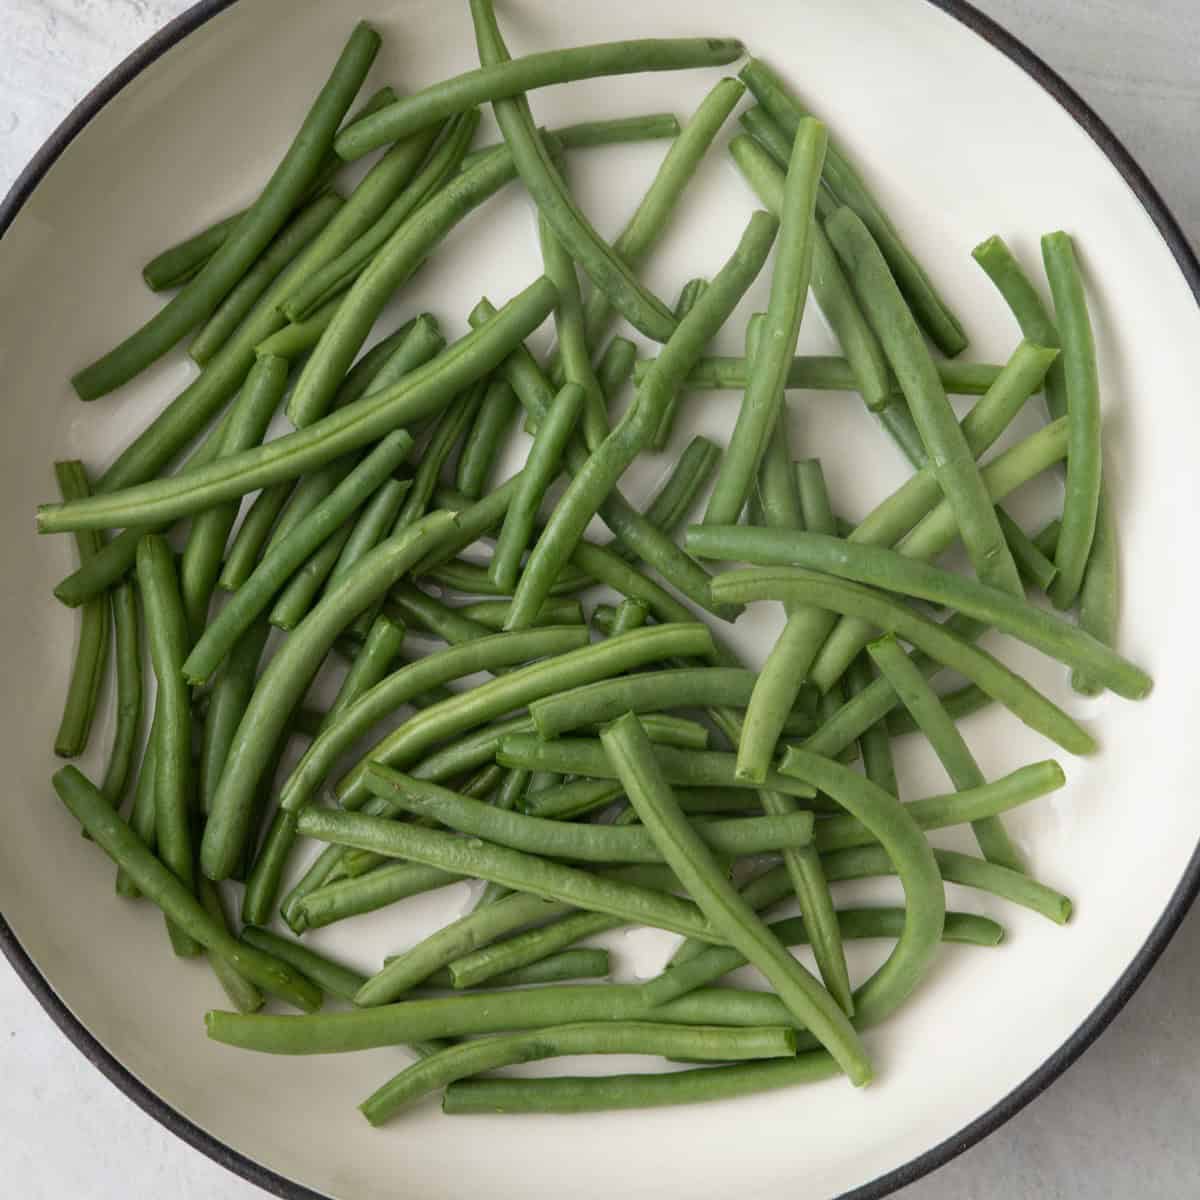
1018,696
477,1057
737,837
545,185
295,454
522,687
290,180
128,653
160,885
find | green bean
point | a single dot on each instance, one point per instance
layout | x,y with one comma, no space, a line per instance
960,704
947,742
597,477
786,668
629,614
583,963
471,579
653,213
616,366
607,1093
862,862
541,468
522,872
142,816
728,914
789,288
1083,417
414,679
295,454
380,649
284,681
174,783
246,548
824,373
486,439
160,885
866,365
738,837
326,974
936,532
486,1012
442,620
243,296
281,560
573,799
895,572
1098,594
765,130
340,273
228,699
1024,701
611,132
179,263
850,190
297,338
201,561
372,525
954,466
91,653
128,654
573,352
649,691
533,163
291,180
522,687
776,487
1036,568
492,613
585,756
243,995
298,595
875,743
367,893
532,71
940,812
476,1057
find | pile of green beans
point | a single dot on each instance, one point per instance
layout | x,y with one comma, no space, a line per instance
498,700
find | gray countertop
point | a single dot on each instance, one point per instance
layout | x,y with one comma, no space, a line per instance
1121,1122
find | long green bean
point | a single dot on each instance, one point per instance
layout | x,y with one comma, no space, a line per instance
284,682
476,1057
160,885
243,296
1024,701
611,132
850,190
789,289
493,423
91,653
522,687
339,273
1080,377
291,179
128,654
731,918
1098,594
737,837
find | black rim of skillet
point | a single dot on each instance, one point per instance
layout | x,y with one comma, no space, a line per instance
1096,1022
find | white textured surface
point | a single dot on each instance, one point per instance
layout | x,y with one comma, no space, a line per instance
1121,1122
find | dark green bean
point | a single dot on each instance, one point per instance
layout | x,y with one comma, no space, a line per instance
328,975
493,613
583,963
161,886
91,653
243,995
960,704
1036,568
128,653
367,893
688,295
728,914
246,548
611,132
291,180
300,592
